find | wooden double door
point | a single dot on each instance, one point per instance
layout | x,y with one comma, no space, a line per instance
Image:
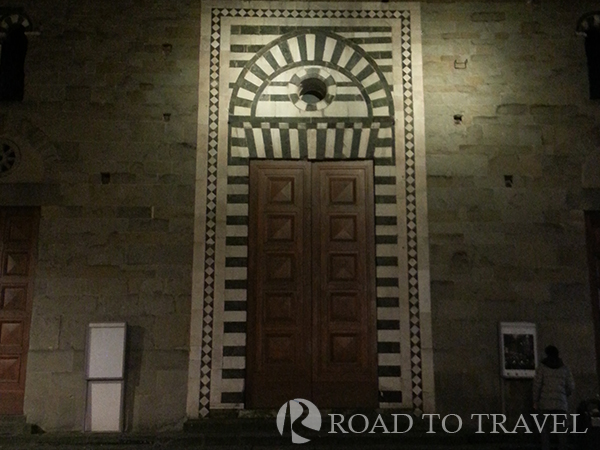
311,302
18,242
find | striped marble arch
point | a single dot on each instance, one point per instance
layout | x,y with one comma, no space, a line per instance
302,48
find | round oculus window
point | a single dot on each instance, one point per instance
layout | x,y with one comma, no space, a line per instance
9,156
312,89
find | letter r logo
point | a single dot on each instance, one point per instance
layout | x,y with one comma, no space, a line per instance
312,420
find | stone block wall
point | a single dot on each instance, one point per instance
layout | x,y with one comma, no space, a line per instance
102,78
111,88
506,197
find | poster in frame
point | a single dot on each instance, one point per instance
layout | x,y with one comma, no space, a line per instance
518,349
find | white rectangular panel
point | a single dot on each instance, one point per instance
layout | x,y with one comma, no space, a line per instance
104,406
106,351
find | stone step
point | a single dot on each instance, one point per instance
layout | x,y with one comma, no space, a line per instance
174,441
14,425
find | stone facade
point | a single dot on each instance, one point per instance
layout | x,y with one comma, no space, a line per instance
507,253
109,148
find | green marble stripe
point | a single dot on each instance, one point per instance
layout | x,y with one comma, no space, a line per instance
356,135
236,240
237,48
268,143
248,85
384,142
235,305
238,220
285,50
380,54
386,261
380,102
321,143
385,220
237,180
237,198
312,122
238,142
251,142
319,46
384,161
388,302
338,98
384,180
377,86
382,239
256,29
274,98
385,199
303,143
286,151
302,47
354,59
365,73
335,29
371,145
234,161
243,102
256,70
386,282
337,52
390,324
349,98
237,63
372,40
271,60
338,148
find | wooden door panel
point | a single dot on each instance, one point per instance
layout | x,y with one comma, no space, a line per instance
13,297
17,255
279,306
344,364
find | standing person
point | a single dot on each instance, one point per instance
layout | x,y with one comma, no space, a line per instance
552,385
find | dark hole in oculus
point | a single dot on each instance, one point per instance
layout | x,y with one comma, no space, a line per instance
312,90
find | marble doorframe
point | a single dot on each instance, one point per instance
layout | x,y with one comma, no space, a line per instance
217,333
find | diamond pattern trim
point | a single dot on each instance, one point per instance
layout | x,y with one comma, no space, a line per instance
235,287
411,221
211,225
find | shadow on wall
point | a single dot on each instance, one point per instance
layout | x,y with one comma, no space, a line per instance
12,64
133,367
518,398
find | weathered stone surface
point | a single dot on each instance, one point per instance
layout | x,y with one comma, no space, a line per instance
488,17
512,109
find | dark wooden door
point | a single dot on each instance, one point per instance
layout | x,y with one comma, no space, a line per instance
280,291
19,228
344,343
311,304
